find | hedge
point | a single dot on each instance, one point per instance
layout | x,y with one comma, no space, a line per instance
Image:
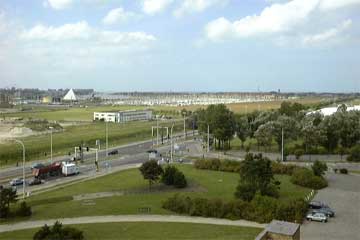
306,178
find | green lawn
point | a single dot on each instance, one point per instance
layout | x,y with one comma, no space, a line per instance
65,141
203,183
151,230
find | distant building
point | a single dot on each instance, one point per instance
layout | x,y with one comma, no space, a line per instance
331,110
123,116
280,230
70,96
47,99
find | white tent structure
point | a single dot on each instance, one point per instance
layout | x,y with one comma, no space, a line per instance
70,96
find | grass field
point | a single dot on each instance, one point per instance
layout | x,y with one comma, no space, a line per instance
202,183
86,114
65,141
151,231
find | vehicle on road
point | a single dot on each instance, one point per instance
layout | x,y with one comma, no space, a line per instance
69,169
114,152
35,181
37,165
319,217
50,170
16,181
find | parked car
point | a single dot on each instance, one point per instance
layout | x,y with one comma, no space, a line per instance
114,152
35,181
319,217
317,205
325,210
16,182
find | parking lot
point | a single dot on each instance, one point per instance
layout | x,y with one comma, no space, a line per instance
343,196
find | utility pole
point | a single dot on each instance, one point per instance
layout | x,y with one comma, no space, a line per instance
171,143
208,138
184,127
157,131
51,144
107,139
282,144
23,147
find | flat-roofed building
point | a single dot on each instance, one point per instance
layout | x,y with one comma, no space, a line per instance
123,116
280,230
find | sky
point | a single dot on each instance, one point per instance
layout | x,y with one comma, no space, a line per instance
181,45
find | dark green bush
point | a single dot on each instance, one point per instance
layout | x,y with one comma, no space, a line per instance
354,155
279,168
218,165
168,175
344,171
179,180
306,178
245,191
319,168
24,210
58,232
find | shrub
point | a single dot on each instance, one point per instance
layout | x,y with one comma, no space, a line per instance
279,168
168,175
218,165
271,190
319,168
298,153
58,232
306,178
344,171
24,210
354,155
245,191
179,180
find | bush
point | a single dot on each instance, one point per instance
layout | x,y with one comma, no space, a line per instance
245,191
58,232
218,165
298,153
354,155
168,175
319,168
344,171
24,210
306,178
279,168
179,180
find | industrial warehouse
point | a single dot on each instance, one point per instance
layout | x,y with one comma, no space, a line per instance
123,116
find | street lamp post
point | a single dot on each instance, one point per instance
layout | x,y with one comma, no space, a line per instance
23,147
171,143
51,144
107,139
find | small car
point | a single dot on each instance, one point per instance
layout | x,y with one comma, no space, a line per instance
35,181
325,210
16,182
317,205
319,217
114,152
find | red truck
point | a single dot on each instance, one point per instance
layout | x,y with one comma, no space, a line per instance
50,170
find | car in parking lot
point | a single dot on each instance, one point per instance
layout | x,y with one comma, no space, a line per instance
319,217
16,182
325,210
317,205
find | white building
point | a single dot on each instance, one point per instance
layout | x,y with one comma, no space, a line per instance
123,116
70,96
331,110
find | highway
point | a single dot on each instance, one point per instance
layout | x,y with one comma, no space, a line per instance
127,154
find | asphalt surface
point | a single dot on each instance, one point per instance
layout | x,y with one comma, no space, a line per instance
128,154
343,196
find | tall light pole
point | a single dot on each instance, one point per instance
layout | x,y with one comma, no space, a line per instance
282,144
23,147
171,143
208,138
107,138
157,130
184,127
51,144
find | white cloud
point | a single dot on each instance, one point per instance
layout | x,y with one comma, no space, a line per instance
276,18
118,15
58,4
326,35
335,4
82,32
152,7
193,6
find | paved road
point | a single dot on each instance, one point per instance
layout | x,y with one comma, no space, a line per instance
126,154
343,195
129,218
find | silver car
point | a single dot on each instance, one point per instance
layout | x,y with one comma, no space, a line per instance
317,216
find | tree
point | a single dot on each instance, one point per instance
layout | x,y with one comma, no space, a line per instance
255,175
290,127
168,175
151,171
264,134
354,154
242,128
7,196
319,168
245,191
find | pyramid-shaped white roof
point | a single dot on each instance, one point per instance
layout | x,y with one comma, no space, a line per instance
70,96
